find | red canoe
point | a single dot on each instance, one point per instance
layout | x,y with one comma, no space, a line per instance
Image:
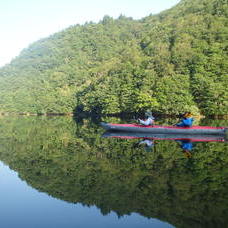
158,129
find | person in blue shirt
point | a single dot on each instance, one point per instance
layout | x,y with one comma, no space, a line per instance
187,147
187,120
149,119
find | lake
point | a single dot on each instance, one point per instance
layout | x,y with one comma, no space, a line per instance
60,172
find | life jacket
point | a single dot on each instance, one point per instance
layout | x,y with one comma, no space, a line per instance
187,145
188,122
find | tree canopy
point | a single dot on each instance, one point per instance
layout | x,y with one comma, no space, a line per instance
171,62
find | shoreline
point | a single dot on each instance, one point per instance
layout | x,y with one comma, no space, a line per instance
224,117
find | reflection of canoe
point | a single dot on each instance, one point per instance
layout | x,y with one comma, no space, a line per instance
137,135
157,129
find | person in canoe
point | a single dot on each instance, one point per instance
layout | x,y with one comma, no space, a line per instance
186,121
148,143
149,119
187,146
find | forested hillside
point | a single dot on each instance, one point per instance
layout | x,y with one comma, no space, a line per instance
171,62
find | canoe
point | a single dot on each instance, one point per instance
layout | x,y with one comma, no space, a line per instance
151,136
158,129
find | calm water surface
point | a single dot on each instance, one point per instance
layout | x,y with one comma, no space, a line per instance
58,172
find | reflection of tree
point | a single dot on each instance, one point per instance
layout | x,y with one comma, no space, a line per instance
71,162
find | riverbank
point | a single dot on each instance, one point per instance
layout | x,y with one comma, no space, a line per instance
224,117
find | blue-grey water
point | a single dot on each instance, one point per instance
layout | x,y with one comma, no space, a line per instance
24,206
59,172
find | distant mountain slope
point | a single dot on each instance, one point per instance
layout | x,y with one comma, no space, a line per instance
170,62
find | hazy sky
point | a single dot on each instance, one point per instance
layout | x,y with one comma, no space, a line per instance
23,22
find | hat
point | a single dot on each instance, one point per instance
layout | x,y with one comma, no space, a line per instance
187,115
148,113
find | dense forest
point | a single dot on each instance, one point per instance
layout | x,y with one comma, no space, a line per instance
171,62
76,165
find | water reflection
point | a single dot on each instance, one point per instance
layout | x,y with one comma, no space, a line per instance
185,141
71,162
30,208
